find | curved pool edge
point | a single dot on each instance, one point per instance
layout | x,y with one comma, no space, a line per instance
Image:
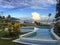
39,40
19,41
55,35
33,41
35,29
22,42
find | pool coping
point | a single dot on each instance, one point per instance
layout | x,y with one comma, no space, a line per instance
55,35
21,36
22,42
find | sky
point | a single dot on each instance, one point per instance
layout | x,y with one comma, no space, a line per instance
25,8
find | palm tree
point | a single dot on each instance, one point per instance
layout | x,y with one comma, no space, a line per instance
9,16
3,17
49,16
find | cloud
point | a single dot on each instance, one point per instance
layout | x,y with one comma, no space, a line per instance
35,16
35,4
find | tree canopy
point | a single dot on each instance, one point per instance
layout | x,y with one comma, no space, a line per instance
57,9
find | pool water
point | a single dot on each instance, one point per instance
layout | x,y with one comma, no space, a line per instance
42,33
27,29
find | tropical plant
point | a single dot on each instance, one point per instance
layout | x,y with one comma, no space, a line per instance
16,28
57,27
3,25
10,30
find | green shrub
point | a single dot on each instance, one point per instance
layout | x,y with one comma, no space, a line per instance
5,34
57,27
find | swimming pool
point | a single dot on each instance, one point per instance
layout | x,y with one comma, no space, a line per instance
42,33
42,36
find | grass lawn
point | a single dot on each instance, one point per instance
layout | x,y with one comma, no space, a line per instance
8,42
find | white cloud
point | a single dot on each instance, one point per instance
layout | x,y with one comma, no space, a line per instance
36,4
35,16
7,6
51,1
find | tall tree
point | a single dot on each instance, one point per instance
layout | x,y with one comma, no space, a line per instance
49,16
57,24
57,8
9,16
3,17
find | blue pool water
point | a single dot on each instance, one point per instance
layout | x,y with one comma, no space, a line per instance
27,29
42,33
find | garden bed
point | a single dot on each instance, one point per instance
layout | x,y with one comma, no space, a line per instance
8,41
57,33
